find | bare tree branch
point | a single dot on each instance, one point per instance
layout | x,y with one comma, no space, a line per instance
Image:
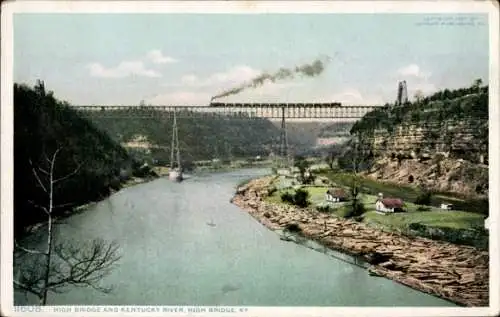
69,175
64,205
17,245
43,170
26,288
85,266
39,206
37,177
71,264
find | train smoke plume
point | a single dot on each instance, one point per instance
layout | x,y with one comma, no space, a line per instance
306,70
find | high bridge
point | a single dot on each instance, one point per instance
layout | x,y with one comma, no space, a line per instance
333,110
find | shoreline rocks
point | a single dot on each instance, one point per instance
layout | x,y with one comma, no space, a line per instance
453,272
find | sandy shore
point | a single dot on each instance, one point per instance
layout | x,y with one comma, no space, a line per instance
454,272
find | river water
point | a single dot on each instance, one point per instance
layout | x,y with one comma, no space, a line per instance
171,256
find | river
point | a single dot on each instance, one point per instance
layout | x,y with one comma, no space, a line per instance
171,256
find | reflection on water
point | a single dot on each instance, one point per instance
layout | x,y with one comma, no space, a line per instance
184,243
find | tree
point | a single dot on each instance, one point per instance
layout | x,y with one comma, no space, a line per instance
477,84
356,207
61,263
358,155
419,95
303,165
330,159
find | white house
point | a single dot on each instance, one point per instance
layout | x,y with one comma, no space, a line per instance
388,204
446,206
335,195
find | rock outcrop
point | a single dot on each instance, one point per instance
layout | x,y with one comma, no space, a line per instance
438,173
454,272
440,143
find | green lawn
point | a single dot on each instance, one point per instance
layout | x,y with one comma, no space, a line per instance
450,219
407,193
435,217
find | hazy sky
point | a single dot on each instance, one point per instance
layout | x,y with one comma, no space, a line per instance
187,58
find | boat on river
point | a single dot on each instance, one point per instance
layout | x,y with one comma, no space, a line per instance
175,173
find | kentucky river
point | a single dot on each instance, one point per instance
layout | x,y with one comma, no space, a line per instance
171,256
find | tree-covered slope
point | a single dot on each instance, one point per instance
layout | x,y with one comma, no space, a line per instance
43,125
201,136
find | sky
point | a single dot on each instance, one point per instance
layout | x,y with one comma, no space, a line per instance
185,59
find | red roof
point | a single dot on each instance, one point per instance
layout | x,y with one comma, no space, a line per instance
336,192
392,202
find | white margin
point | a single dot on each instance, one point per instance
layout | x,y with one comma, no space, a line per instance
252,7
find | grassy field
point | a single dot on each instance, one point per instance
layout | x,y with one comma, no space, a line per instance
407,193
433,217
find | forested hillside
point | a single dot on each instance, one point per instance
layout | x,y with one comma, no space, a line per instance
439,142
43,126
201,136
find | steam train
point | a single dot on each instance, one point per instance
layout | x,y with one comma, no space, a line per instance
294,104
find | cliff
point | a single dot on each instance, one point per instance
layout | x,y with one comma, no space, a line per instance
439,142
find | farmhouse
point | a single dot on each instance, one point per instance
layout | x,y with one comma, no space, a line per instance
388,204
446,206
335,195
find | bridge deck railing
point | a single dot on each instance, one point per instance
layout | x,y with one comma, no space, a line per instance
296,111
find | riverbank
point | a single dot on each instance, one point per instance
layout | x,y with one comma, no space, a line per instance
453,272
78,209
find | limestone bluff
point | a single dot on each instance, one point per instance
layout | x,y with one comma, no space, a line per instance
439,142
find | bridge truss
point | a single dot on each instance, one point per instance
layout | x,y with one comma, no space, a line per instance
269,111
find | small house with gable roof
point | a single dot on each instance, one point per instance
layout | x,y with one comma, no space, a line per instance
386,205
335,195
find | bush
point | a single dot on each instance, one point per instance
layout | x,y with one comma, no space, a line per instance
292,227
357,209
301,198
287,197
271,190
416,226
424,198
354,210
325,208
343,212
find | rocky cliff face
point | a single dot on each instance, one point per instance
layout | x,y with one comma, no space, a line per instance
438,174
443,148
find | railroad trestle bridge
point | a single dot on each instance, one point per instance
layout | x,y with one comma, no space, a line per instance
241,110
